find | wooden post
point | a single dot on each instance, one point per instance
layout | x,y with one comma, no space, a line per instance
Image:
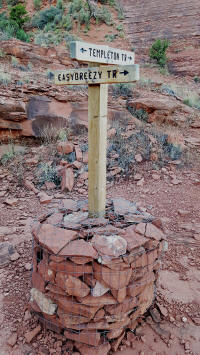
97,77
97,139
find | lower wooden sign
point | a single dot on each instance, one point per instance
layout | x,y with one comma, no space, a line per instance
99,75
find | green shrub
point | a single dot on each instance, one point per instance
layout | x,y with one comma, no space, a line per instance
14,62
37,4
18,14
196,79
7,157
48,173
60,4
122,89
46,16
22,35
158,51
104,15
47,39
12,2
0,4
5,78
108,2
2,54
12,26
67,22
141,114
76,6
110,37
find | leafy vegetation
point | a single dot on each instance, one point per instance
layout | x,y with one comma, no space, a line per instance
8,156
18,14
37,4
122,89
13,26
46,39
5,78
158,51
141,114
48,173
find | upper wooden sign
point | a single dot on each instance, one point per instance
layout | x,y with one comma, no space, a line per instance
99,75
87,52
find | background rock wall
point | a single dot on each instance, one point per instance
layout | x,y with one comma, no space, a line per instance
178,21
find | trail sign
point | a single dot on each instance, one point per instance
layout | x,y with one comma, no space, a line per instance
99,75
95,53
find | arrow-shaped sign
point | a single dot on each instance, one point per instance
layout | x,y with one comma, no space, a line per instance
96,53
83,50
99,75
125,72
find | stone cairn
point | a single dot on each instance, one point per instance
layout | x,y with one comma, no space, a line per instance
93,278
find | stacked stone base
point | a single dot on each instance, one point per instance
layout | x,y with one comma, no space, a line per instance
93,278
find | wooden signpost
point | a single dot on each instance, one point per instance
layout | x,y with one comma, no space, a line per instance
120,68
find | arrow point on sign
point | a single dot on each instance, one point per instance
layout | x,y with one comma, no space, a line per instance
126,72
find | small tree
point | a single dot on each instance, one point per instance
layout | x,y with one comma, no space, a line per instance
158,51
18,14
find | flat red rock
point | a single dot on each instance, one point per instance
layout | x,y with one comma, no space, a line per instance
79,248
53,238
153,232
134,240
115,279
72,285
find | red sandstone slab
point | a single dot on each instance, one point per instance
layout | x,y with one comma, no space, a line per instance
100,350
53,238
70,205
56,258
72,285
55,289
140,228
115,344
105,325
140,261
38,282
81,260
153,232
54,219
89,337
113,334
119,295
112,245
114,279
70,268
70,305
67,319
46,273
99,315
138,286
134,240
97,301
128,304
79,248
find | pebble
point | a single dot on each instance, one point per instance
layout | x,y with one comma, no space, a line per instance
12,339
184,319
14,257
28,266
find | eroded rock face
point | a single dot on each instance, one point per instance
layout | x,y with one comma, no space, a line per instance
177,22
96,284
